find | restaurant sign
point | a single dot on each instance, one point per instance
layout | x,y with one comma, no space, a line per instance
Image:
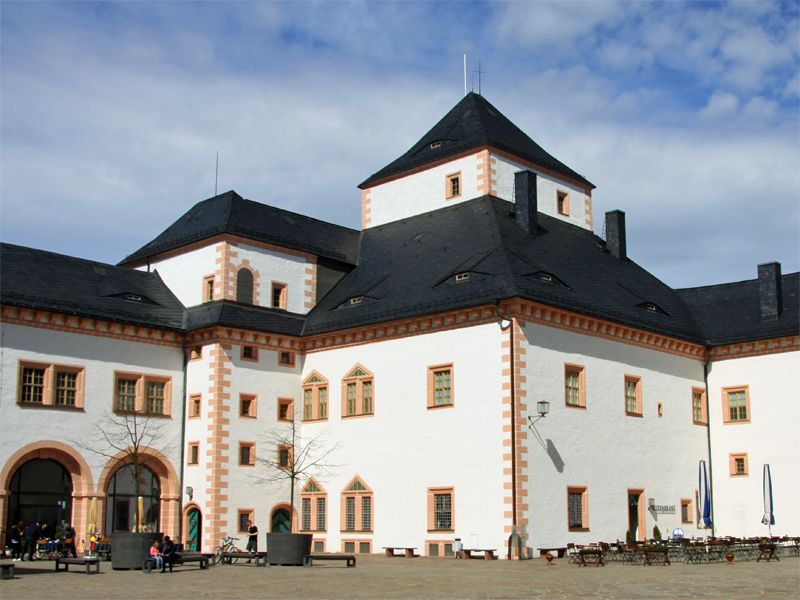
663,509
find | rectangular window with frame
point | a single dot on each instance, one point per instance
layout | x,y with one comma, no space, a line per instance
155,397
577,509
440,386
286,358
441,515
738,464
195,403
285,409
736,404
247,406
686,511
279,295
249,353
126,395
562,203
315,397
357,392
142,394
32,387
439,549
247,454
633,396
50,385
194,453
244,517
453,185
699,416
208,288
574,386
284,456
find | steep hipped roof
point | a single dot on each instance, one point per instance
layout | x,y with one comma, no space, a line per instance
409,267
473,123
226,313
731,312
48,281
230,213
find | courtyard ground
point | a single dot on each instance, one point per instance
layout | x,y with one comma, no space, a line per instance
379,577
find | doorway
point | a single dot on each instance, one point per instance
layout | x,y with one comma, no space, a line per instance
636,523
193,529
281,521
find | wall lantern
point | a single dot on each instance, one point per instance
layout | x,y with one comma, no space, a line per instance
542,407
189,491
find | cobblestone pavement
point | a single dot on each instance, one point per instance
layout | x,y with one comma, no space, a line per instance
379,577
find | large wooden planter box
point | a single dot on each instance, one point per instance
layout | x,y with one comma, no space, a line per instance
128,549
288,548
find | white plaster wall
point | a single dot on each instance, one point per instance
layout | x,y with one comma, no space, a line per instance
184,273
100,357
769,438
546,187
422,192
405,448
600,447
280,267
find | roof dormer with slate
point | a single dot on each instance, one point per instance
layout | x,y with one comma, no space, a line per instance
473,151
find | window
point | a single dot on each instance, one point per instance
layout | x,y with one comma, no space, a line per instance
736,404
50,385
357,546
285,358
247,406
686,511
315,397
247,454
453,185
357,507
633,396
285,409
440,386
574,386
577,509
699,406
244,286
439,549
195,353
208,288
248,353
460,277
146,394
356,300
313,507
357,393
562,203
284,456
194,453
440,509
194,406
244,518
279,293
738,464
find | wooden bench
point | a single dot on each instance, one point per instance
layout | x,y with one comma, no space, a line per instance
179,559
488,553
590,556
660,555
308,561
87,562
103,548
6,569
229,558
407,552
560,552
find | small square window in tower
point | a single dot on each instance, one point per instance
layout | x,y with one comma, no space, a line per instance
562,203
279,294
453,185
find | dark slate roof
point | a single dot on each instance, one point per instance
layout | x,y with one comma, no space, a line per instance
243,316
230,213
407,268
473,123
731,312
38,279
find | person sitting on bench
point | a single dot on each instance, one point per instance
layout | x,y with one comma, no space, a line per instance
158,560
167,551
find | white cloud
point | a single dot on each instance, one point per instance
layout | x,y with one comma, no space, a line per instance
721,105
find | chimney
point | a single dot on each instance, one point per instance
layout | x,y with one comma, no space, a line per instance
770,294
615,234
525,199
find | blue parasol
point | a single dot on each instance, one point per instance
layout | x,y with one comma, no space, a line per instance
704,503
769,515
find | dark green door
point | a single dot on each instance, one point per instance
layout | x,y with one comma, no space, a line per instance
281,522
193,531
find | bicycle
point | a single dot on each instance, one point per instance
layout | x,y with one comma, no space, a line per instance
227,545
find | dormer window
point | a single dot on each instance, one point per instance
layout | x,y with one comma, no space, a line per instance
133,298
461,277
435,145
653,308
546,277
356,300
453,185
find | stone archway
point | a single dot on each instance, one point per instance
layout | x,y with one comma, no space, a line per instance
282,519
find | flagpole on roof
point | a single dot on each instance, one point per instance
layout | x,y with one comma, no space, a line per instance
465,73
216,174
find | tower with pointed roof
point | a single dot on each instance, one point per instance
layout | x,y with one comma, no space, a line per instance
474,150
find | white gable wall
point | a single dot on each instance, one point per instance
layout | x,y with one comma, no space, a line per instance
183,273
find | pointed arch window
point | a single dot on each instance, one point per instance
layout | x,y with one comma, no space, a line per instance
358,393
315,397
357,507
314,507
244,286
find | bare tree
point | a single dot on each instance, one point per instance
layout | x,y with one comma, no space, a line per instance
123,438
294,459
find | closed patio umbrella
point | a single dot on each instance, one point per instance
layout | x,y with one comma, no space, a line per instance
769,514
704,503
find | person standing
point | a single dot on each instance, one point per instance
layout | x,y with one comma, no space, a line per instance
31,535
16,534
252,541
69,540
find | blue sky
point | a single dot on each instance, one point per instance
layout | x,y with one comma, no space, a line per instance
685,115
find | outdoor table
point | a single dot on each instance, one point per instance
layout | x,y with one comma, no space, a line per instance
767,552
590,556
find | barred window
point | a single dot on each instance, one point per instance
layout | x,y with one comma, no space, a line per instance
442,511
320,514
66,387
350,513
306,514
33,385
575,510
366,513
697,407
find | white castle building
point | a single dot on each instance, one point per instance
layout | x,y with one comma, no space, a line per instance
416,349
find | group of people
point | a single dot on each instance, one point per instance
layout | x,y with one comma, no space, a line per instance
163,554
24,539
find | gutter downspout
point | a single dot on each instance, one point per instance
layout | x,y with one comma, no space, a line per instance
706,365
183,442
512,381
